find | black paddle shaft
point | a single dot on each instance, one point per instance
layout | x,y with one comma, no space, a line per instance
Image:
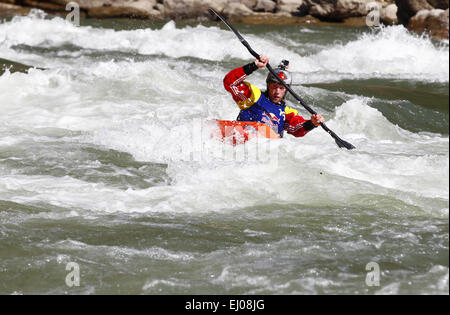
341,143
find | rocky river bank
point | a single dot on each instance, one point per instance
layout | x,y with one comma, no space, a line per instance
429,16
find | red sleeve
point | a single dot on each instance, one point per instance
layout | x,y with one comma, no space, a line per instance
297,125
234,83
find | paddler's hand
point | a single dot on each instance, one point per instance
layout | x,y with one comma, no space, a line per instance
317,119
262,62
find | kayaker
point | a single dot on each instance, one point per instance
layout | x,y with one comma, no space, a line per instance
268,107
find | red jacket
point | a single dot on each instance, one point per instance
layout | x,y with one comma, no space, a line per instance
246,95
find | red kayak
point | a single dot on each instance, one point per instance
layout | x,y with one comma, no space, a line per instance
239,132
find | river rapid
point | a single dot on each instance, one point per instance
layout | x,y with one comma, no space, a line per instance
94,168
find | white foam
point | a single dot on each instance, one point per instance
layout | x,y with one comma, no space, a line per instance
392,52
398,163
146,109
167,283
155,253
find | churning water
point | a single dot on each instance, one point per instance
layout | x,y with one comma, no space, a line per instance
91,169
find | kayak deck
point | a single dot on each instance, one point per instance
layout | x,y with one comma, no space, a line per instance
239,132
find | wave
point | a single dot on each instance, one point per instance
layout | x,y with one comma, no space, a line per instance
407,166
391,52
339,177
146,109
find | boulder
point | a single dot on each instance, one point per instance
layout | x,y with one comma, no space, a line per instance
84,4
100,8
327,10
265,6
189,9
237,9
439,4
44,5
291,7
117,8
7,10
338,10
408,8
389,15
248,3
434,22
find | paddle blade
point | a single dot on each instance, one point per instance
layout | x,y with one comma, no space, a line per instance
344,144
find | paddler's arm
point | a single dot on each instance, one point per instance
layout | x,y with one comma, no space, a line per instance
298,126
244,93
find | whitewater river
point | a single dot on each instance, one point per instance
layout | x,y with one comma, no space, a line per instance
95,170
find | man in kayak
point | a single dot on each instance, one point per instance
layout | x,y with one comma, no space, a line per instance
268,107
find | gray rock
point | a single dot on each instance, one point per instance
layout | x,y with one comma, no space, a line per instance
290,7
434,22
117,8
7,10
389,15
191,9
336,10
330,10
265,6
100,8
236,9
408,8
